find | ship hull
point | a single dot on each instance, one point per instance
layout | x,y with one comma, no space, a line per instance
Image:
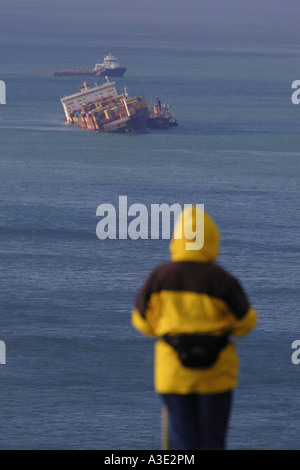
115,72
135,124
158,123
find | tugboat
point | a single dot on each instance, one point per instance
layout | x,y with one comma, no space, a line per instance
109,68
101,109
160,116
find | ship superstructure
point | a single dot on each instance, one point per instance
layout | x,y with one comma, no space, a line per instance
110,67
87,95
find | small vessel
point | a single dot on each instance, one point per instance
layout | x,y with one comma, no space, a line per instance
102,109
110,67
160,116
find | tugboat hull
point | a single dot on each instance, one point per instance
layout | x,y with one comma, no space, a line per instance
158,123
117,72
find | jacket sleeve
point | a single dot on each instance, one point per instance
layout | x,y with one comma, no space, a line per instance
141,314
140,323
245,324
244,316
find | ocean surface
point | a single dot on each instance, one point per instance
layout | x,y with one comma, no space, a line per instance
77,375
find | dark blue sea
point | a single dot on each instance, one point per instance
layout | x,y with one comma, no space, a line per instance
77,375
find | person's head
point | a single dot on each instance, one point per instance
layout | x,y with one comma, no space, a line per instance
196,236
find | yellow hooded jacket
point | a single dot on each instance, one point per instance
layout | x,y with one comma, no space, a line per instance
192,294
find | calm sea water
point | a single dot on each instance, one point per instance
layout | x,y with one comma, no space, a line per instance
77,374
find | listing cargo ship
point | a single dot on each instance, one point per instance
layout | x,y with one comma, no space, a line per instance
160,116
110,67
102,109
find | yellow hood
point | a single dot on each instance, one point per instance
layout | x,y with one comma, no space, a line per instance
188,236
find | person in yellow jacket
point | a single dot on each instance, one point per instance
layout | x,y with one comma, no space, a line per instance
193,300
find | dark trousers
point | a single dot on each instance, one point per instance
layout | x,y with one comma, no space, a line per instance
197,421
